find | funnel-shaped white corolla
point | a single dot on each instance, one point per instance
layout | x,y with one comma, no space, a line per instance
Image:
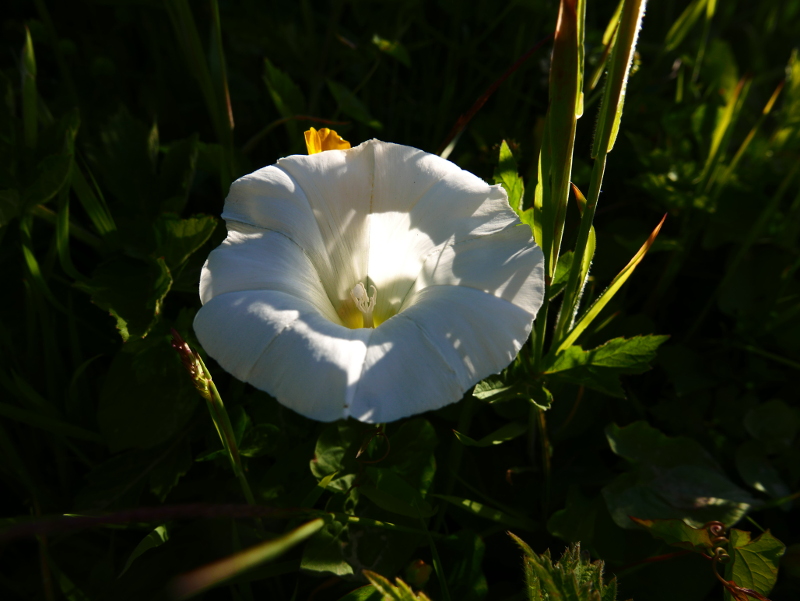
376,282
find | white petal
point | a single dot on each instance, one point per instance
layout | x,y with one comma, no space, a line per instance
431,353
486,331
251,258
422,202
338,186
280,344
507,264
405,373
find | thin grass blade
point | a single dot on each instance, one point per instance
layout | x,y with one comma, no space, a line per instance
193,583
594,310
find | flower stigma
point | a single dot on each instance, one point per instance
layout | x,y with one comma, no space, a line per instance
364,303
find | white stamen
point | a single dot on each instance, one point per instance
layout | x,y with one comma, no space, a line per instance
364,303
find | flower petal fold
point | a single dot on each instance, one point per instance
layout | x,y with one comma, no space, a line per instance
281,344
251,258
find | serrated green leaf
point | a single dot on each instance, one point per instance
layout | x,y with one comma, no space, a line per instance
678,534
351,106
601,367
393,592
754,563
499,436
506,175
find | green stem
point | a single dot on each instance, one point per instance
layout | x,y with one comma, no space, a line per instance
225,430
455,456
572,290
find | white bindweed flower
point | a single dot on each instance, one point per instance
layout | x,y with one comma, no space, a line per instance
375,283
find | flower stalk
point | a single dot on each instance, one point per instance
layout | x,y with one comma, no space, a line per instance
204,384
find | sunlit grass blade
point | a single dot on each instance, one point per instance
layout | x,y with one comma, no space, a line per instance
30,98
617,79
594,79
193,583
731,168
722,133
605,135
683,25
566,106
594,310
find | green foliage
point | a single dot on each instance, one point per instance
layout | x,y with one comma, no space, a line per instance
122,126
670,477
572,578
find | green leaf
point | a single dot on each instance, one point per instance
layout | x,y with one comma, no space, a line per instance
463,554
10,205
756,470
147,396
285,94
177,239
499,436
394,49
392,493
495,389
506,175
132,290
678,534
324,552
165,476
669,478
488,513
575,523
215,573
156,538
53,171
562,274
601,367
335,452
351,106
773,423
176,173
754,562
